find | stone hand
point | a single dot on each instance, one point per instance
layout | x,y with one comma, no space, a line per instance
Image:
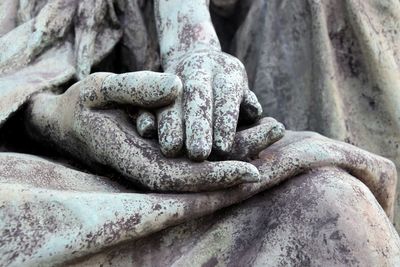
215,86
82,122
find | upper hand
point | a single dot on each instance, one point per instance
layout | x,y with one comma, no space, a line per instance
215,88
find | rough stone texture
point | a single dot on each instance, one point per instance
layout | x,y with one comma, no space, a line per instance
215,85
53,215
281,227
329,66
76,123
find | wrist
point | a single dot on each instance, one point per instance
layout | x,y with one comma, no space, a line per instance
184,27
41,116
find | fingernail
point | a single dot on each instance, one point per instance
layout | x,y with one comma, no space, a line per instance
170,145
146,129
199,150
171,148
277,132
252,176
174,84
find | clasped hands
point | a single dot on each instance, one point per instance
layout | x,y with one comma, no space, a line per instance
196,104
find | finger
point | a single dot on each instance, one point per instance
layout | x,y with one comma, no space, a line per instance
198,114
141,161
143,89
250,142
304,151
227,96
209,176
170,128
250,109
182,175
146,124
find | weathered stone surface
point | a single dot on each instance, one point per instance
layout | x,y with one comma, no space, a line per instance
329,66
56,215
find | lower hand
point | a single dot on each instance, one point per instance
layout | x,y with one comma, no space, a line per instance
79,123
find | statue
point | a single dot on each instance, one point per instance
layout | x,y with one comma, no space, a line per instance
108,161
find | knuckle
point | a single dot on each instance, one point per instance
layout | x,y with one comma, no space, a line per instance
87,96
